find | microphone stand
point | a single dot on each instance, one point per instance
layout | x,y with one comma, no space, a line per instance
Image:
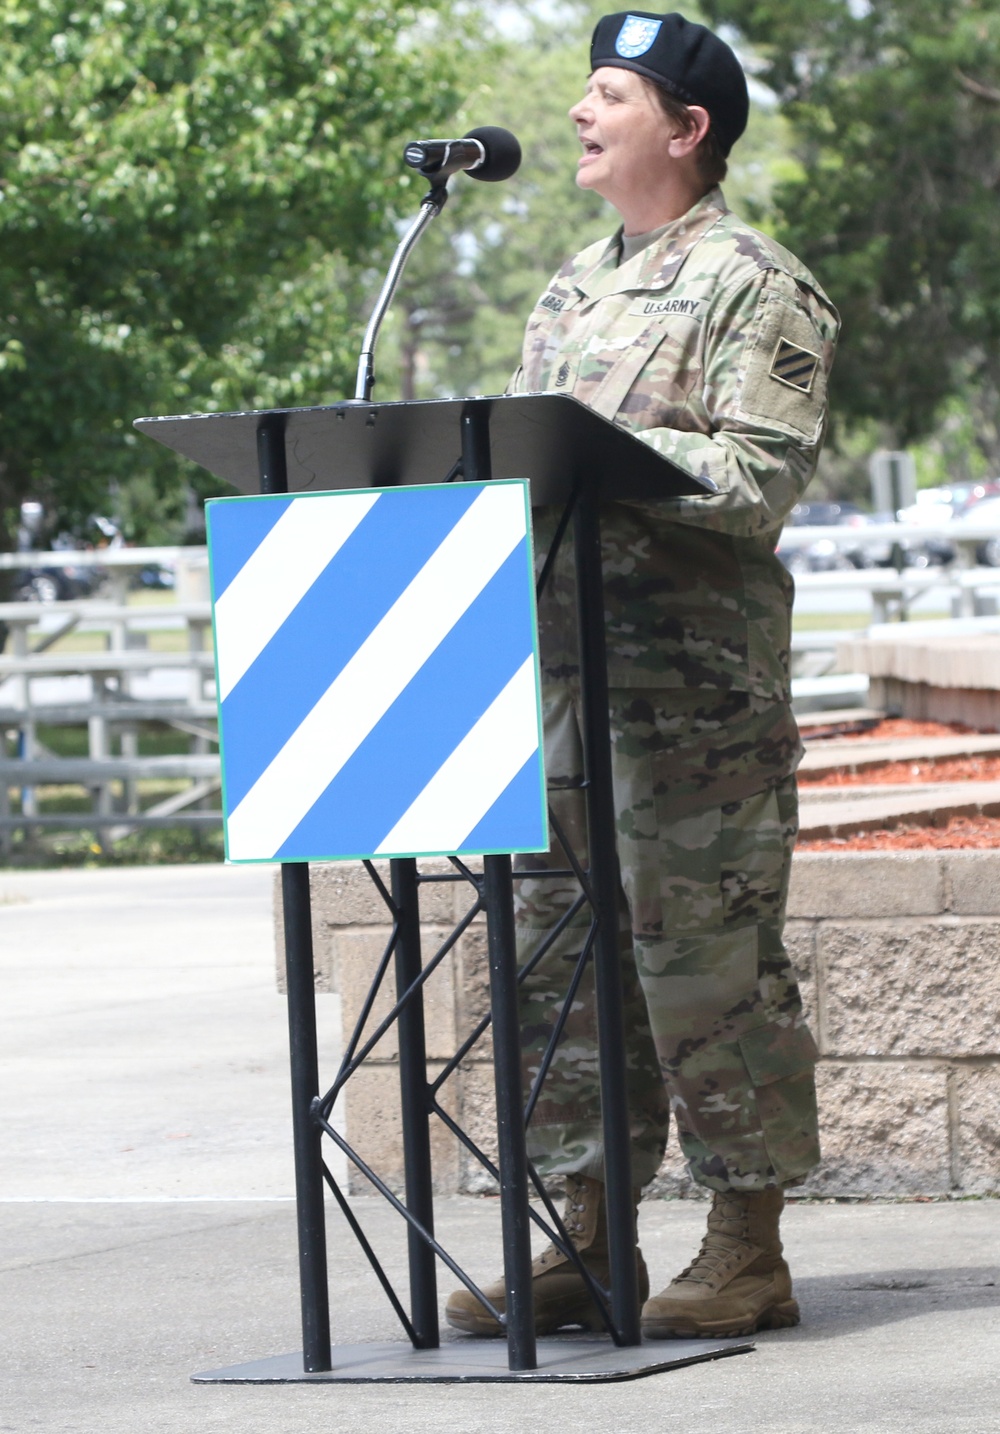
431,206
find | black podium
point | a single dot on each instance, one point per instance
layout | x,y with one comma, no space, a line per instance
575,460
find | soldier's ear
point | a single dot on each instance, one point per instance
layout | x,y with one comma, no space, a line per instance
688,140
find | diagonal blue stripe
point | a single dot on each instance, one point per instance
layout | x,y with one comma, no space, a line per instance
348,600
426,723
514,822
236,529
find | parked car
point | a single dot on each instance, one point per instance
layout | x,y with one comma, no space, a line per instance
957,497
984,512
55,584
826,555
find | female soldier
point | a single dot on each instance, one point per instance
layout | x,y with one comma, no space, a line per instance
713,344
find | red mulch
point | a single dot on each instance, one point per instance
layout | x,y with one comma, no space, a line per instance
947,769
967,832
903,727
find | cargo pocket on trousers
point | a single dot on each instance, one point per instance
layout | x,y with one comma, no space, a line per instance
777,1050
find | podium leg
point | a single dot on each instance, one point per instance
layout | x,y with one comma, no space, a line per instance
607,954
304,1059
521,1353
414,1107
306,1133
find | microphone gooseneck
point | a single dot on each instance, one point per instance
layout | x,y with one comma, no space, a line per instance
488,153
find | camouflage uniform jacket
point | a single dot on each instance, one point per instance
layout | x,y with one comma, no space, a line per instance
714,346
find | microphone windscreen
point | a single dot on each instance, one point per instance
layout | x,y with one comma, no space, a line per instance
503,153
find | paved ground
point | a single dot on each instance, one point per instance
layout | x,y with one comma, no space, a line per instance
146,1233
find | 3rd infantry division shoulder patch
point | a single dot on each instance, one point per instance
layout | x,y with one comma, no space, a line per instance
794,366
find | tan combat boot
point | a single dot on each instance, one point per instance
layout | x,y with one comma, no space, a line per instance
561,1296
738,1283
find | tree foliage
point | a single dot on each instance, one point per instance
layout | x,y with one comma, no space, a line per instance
190,191
895,113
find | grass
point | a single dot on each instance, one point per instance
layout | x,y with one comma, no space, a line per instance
171,639
832,621
81,847
159,846
827,621
151,597
155,740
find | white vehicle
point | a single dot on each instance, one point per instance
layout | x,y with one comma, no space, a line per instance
985,513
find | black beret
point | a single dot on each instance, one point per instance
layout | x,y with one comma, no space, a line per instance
686,59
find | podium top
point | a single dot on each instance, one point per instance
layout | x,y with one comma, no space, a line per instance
551,439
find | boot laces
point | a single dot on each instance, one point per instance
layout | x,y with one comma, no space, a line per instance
575,1205
720,1247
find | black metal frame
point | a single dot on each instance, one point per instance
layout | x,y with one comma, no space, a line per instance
312,1112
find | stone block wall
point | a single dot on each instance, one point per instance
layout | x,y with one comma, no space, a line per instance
351,927
900,958
898,955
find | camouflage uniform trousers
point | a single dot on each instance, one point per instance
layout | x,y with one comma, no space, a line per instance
713,1016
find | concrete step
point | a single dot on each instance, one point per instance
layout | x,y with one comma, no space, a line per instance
838,690
810,723
929,804
838,754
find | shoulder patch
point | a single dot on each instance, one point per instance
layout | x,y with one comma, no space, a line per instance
783,372
794,365
553,302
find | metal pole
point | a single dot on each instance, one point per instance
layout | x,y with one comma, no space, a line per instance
477,460
307,1134
430,208
513,1159
414,1106
477,467
605,883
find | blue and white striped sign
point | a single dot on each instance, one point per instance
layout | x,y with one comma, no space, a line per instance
377,673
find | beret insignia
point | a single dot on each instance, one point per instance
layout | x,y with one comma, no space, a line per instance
794,366
636,36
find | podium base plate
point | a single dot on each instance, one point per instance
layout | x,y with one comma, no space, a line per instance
574,1358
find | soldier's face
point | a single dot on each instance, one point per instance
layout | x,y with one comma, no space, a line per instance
625,136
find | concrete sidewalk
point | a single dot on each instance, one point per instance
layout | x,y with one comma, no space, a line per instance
146,1231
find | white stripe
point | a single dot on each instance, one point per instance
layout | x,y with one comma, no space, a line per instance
477,773
277,576
389,658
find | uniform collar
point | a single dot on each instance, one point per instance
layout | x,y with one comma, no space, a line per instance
656,266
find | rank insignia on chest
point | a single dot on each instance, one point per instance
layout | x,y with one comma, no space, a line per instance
794,366
562,375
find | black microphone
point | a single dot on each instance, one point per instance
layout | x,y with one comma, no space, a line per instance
487,153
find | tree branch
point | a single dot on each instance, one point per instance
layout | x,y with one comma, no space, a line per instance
981,92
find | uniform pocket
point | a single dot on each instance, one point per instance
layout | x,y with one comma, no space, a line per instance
776,1051
757,836
689,862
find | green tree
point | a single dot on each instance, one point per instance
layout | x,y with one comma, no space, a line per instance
191,192
895,113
